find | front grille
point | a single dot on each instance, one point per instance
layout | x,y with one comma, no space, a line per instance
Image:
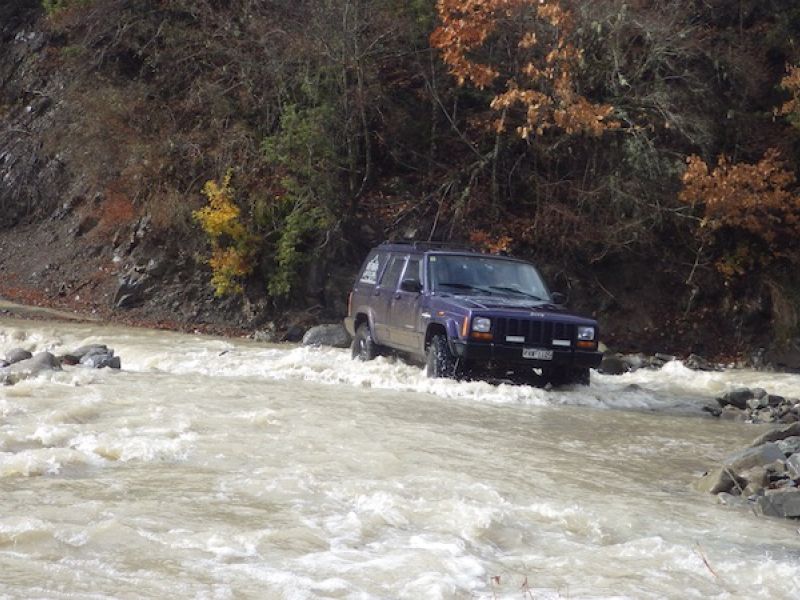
536,333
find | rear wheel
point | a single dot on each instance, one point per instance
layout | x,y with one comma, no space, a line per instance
440,361
363,348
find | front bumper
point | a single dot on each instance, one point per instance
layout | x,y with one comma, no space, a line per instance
504,354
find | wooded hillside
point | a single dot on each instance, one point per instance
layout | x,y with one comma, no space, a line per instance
643,153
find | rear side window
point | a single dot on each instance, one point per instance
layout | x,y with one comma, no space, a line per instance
370,273
391,276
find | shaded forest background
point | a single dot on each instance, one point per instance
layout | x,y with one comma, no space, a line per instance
233,162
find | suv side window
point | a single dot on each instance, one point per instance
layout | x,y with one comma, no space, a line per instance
414,270
391,276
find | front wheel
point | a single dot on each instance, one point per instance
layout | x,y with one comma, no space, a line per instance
567,376
440,361
363,348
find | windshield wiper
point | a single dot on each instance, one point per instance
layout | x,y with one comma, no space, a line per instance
464,286
515,291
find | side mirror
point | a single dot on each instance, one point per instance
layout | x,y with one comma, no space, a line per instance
411,285
558,298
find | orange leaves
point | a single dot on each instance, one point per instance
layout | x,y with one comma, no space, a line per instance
539,79
791,83
754,199
490,243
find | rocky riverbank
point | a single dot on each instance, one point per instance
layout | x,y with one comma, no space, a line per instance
764,477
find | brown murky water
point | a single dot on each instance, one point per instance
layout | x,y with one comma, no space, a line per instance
212,468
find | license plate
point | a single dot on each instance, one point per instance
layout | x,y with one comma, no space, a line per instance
537,354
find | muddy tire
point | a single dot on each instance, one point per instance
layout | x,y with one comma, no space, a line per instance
363,348
440,362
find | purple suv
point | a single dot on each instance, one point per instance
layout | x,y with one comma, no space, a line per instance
468,313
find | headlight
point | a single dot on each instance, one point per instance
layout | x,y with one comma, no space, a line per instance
585,334
481,325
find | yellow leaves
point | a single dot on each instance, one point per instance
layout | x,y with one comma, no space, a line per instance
228,265
540,82
220,219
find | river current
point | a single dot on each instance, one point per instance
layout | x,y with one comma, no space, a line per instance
226,469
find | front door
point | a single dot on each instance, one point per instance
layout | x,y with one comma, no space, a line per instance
404,309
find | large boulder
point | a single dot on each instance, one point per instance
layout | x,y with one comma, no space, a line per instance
720,480
779,503
748,458
16,355
737,398
773,435
31,367
334,335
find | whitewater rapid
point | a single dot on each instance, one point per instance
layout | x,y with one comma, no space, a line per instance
220,468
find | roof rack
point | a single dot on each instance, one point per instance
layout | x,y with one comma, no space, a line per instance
432,245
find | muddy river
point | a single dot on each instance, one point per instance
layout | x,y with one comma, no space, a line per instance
226,469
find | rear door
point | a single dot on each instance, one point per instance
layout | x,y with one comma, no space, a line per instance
384,295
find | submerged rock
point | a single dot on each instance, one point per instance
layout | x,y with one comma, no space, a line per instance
613,364
334,335
96,356
16,355
31,367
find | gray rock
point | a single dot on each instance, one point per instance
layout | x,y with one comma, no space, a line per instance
267,335
731,413
731,500
759,393
334,335
659,360
698,363
131,290
741,461
613,364
720,480
635,362
293,334
757,403
737,398
793,466
774,435
16,355
765,415
783,503
39,363
757,480
99,358
774,401
79,353
790,445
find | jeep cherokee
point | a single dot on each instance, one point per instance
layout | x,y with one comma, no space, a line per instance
464,312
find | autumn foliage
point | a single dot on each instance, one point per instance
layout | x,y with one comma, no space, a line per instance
749,211
791,83
540,89
220,219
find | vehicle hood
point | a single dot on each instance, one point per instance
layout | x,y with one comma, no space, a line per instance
512,307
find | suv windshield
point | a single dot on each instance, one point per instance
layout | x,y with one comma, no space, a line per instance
480,275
